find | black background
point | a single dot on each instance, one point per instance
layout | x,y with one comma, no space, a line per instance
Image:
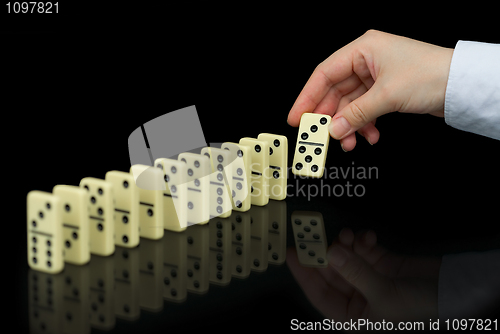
77,83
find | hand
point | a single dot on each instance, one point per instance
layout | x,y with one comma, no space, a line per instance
375,74
364,280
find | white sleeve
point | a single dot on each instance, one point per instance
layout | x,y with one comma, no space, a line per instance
469,285
472,101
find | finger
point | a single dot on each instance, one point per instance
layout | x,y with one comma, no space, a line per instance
357,272
360,112
348,143
332,100
370,132
336,68
364,242
346,237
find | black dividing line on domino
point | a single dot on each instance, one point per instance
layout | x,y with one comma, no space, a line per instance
147,204
193,189
42,233
274,167
311,143
71,226
256,173
120,210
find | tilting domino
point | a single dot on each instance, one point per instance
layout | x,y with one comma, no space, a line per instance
239,184
259,183
75,220
45,249
101,215
198,183
126,208
151,185
312,145
220,196
175,194
278,162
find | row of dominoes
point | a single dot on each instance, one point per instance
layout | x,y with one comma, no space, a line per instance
167,269
72,222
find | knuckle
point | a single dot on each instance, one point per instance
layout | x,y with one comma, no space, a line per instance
371,33
358,116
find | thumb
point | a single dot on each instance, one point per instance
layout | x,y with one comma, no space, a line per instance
357,272
358,113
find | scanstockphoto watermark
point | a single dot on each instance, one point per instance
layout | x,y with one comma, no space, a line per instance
350,182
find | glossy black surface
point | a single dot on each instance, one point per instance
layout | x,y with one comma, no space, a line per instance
75,92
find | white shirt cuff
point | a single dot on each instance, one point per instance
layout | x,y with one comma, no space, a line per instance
472,101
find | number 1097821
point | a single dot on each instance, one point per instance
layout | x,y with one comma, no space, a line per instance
33,7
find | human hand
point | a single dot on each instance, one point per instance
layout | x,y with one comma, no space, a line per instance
376,74
364,280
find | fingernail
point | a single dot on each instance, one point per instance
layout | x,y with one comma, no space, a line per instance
337,256
342,146
339,127
368,140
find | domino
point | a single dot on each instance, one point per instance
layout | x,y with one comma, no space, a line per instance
198,183
197,259
278,164
310,238
277,232
312,145
259,183
75,222
239,183
45,235
126,208
220,199
175,194
220,251
151,185
101,215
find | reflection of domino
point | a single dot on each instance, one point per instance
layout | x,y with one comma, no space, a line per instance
166,136
310,238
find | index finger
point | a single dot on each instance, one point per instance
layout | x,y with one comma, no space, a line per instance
336,68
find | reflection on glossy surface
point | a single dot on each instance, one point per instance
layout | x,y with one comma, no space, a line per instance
167,270
366,281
